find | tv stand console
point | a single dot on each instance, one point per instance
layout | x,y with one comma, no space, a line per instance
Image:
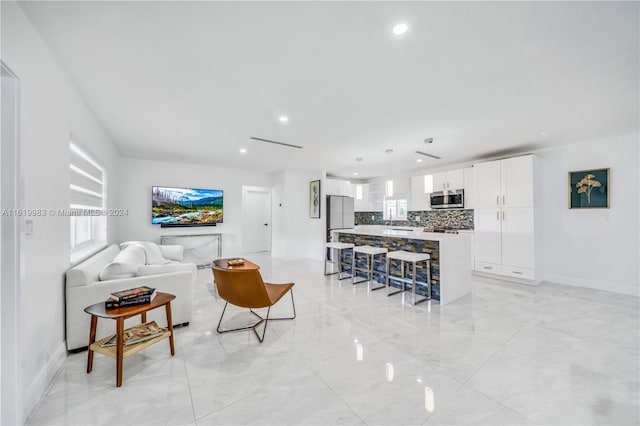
201,249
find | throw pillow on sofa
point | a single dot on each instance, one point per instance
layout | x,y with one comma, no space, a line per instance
172,252
116,271
124,264
152,252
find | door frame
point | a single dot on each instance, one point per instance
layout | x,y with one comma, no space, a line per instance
11,256
245,232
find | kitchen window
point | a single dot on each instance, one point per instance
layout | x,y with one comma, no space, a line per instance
395,209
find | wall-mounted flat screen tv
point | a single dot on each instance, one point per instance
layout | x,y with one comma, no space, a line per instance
186,206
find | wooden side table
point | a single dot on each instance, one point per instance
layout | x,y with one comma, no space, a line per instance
120,351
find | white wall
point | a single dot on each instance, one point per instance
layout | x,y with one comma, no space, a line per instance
50,110
138,176
295,234
593,248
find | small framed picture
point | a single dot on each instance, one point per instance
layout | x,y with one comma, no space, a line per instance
314,199
589,189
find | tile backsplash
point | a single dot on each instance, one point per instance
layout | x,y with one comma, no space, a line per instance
447,219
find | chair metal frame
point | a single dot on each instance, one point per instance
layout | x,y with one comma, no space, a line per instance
262,319
246,289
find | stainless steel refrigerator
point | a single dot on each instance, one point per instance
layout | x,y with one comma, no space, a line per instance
340,213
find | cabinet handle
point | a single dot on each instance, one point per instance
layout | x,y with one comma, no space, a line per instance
487,267
498,215
503,217
497,200
504,199
517,272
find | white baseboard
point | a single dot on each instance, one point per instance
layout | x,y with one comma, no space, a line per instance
596,285
505,278
40,384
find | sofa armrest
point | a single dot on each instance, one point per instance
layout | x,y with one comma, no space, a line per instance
77,298
172,252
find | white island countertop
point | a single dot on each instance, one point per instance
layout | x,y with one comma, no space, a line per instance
402,232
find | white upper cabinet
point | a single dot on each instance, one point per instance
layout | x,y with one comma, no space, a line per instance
449,180
376,196
338,187
470,189
505,183
517,182
362,197
455,179
419,198
439,181
488,184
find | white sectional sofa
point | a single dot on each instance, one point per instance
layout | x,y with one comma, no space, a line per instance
133,264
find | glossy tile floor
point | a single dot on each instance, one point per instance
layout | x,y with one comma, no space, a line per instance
505,355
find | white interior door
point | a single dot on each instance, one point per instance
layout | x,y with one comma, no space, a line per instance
257,219
10,251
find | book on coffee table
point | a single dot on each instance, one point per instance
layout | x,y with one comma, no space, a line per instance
139,300
131,293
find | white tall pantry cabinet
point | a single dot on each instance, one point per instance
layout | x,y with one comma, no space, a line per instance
505,218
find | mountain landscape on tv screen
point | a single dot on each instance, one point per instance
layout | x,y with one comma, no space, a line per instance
186,206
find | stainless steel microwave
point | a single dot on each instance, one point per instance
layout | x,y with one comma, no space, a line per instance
448,199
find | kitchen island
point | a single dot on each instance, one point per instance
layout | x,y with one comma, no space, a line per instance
450,256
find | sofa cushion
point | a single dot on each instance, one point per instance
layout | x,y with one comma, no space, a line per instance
152,251
118,270
165,269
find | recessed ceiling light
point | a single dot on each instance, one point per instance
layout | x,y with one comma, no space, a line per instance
419,160
355,173
400,29
243,150
543,133
283,118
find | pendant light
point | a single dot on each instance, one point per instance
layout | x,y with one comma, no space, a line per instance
428,179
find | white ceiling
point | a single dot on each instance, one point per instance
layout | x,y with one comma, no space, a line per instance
192,81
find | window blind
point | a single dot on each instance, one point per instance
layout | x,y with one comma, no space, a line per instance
86,180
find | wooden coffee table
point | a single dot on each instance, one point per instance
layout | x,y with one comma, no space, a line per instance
120,351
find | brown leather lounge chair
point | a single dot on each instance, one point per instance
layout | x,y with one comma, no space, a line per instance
246,289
